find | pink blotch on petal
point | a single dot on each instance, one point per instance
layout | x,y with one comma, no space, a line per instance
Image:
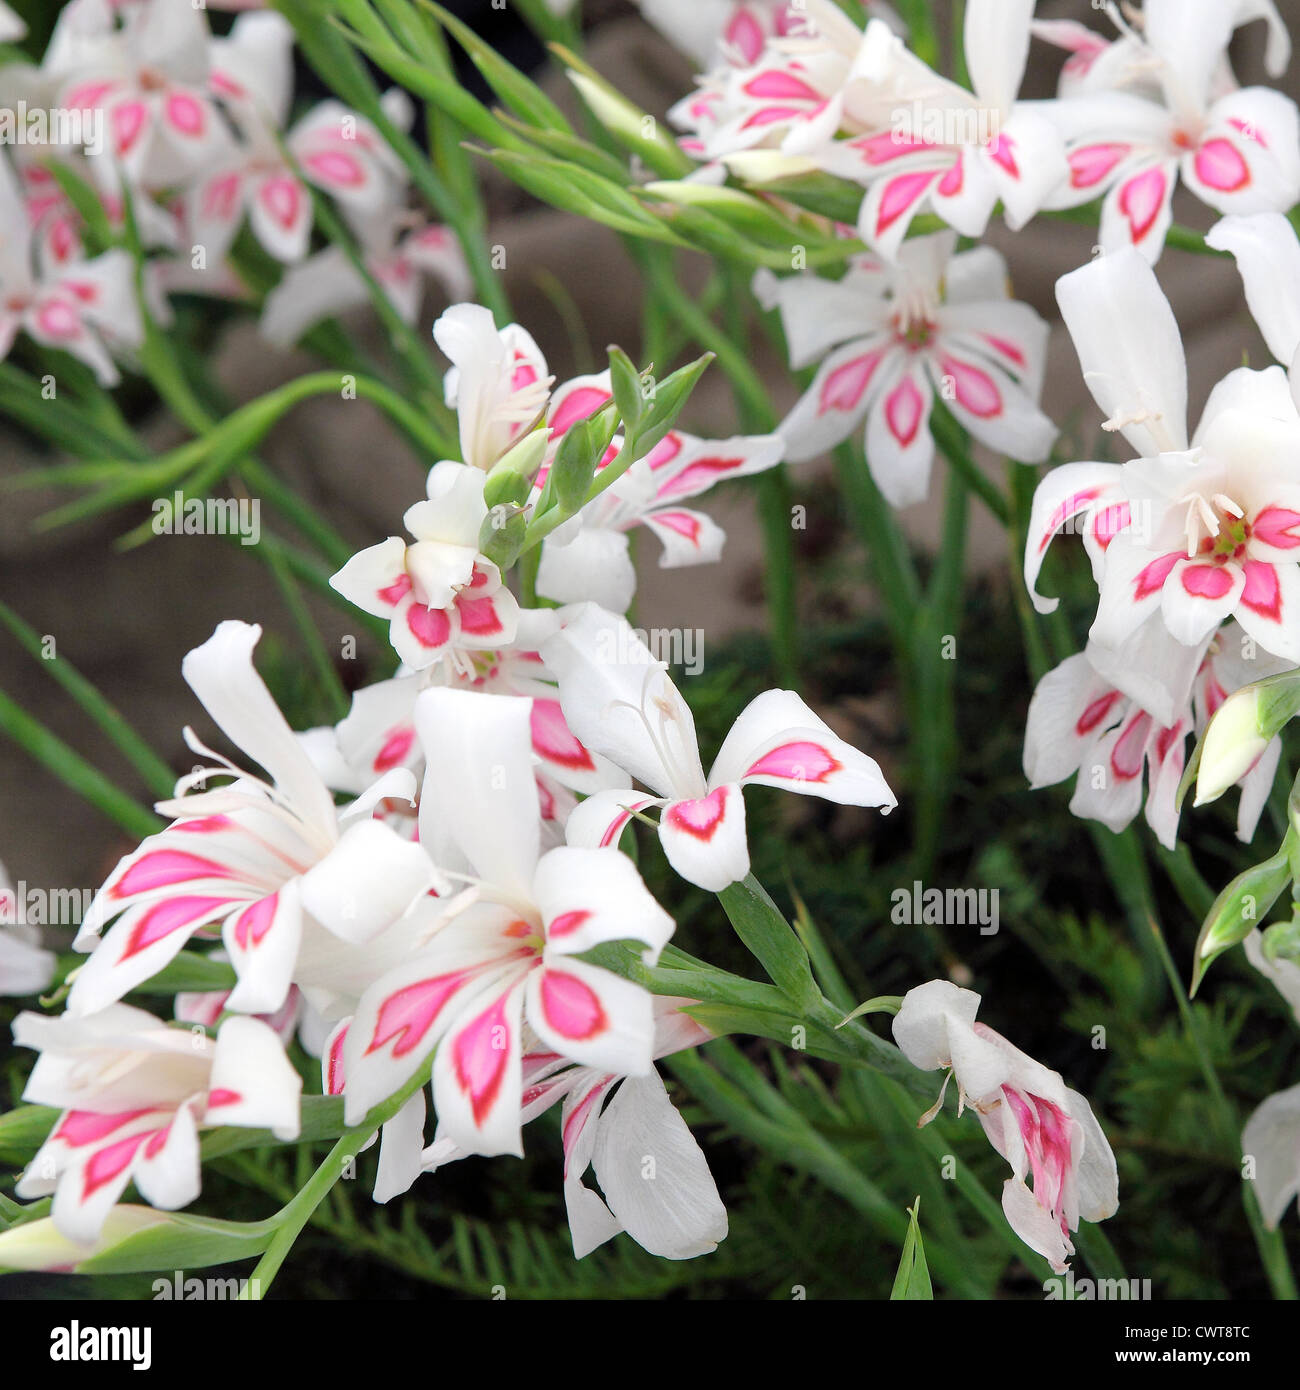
408,1014
480,1059
1152,577
843,389
975,390
282,197
395,748
699,817
337,169
1276,526
567,923
1091,164
571,1006
900,195
168,917
1220,165
1096,712
255,921
429,626
164,867
1130,750
800,761
577,405
553,739
1140,200
904,407
185,114
1262,592
1207,581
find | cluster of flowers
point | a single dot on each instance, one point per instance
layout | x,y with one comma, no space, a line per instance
187,135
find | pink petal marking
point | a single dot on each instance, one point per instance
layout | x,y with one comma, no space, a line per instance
1152,577
1251,132
566,923
1129,752
1166,738
164,867
1003,153
577,405
185,114
1096,712
665,451
571,1006
775,85
479,1060
1220,164
58,319
1108,522
222,1097
336,168
683,523
1140,200
800,761
951,183
479,617
408,1014
745,34
429,626
554,740
698,475
128,120
578,1116
395,749
334,1073
901,194
845,386
167,917
1075,502
204,825
903,409
221,197
253,923
1090,164
110,1162
396,591
615,827
1262,593
770,115
1006,348
1207,581
282,197
976,389
1276,526
700,816
81,1127
886,146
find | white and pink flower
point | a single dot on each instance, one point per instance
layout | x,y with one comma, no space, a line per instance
505,948
133,1093
1044,1130
620,702
889,337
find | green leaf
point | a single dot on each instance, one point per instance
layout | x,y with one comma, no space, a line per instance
1240,908
135,1240
23,1130
523,97
913,1278
760,925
